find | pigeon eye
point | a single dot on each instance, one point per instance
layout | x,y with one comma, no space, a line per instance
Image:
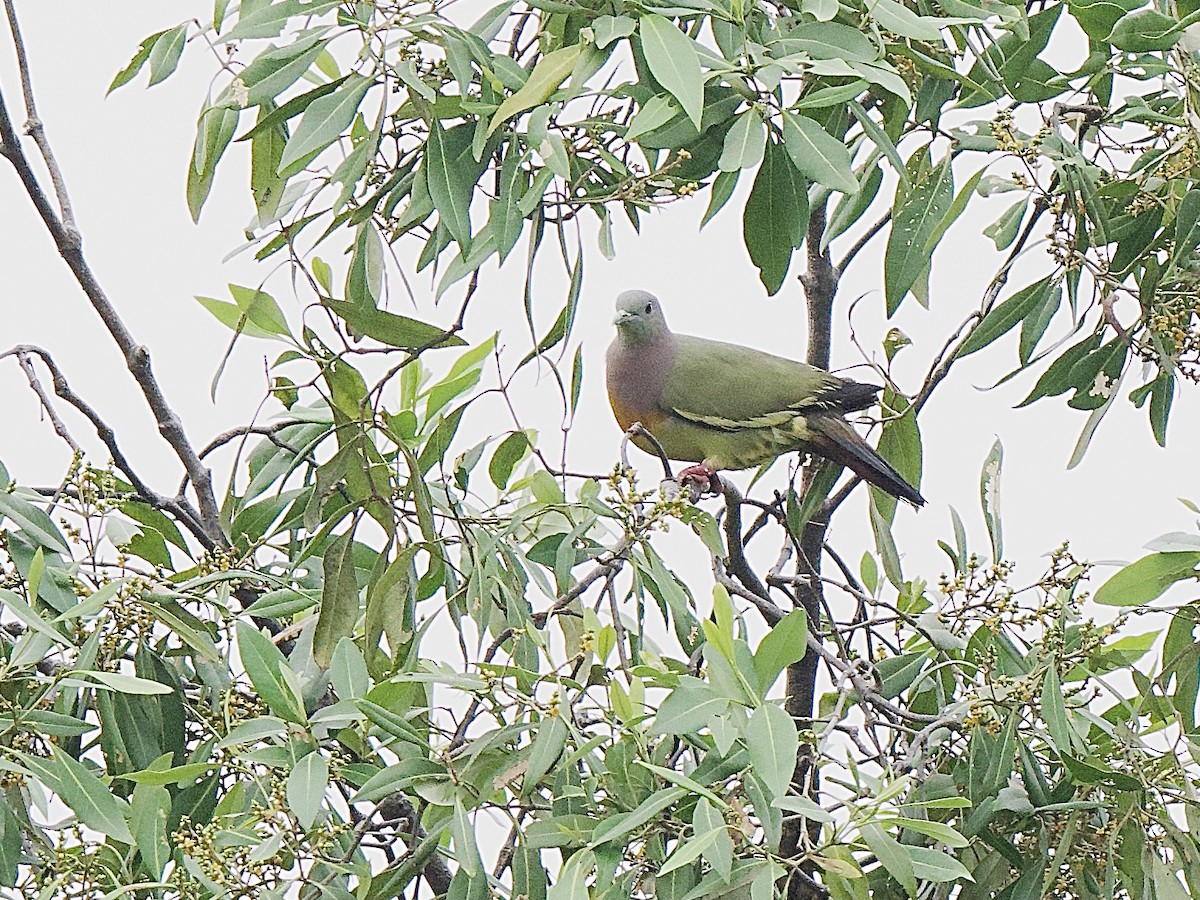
649,306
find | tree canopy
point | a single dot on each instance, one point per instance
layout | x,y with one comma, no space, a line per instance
388,652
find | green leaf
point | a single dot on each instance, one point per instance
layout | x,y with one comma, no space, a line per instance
181,775
722,189
339,600
772,741
1161,395
776,217
306,787
1187,227
391,329
892,855
511,451
885,544
1034,325
691,848
30,618
451,181
1057,377
673,62
265,666
1146,580
785,643
1054,712
213,134
615,827
134,66
572,880
547,747
165,54
989,497
1004,230
266,153
818,155
689,708
1144,30
128,684
745,142
549,73
80,788
506,219
260,308
35,525
529,877
1006,315
899,19
931,864
654,113
900,445
323,122
914,220
1095,376
150,806
881,140
266,21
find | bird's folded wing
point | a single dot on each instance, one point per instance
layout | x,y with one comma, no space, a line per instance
731,387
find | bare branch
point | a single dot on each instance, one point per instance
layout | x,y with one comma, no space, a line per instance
179,507
737,563
137,357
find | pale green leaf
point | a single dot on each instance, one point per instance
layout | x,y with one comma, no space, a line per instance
673,62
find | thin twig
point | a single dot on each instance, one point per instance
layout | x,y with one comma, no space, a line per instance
863,241
36,130
637,429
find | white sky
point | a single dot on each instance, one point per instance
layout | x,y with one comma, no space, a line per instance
125,159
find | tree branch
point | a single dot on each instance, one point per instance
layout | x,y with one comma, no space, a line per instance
137,357
179,507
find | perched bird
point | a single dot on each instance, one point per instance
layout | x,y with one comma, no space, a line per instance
724,406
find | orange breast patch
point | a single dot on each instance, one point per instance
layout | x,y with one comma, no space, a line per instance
626,416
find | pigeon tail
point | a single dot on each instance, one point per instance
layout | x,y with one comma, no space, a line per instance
835,440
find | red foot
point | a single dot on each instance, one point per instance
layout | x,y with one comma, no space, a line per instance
701,476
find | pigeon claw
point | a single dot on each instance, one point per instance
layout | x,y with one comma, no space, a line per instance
702,476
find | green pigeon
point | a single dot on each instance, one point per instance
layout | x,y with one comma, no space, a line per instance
725,406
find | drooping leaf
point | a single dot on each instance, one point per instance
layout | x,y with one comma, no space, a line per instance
323,122
391,329
914,220
989,497
776,216
165,54
817,154
745,142
785,643
339,600
549,73
672,58
1147,579
80,788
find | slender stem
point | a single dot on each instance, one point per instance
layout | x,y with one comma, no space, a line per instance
36,130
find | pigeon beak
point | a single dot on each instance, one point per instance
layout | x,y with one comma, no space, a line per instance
623,316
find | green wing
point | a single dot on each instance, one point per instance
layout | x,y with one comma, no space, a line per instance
732,387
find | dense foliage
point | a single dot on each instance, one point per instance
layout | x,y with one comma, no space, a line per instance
391,653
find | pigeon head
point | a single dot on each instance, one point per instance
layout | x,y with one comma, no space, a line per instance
639,317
